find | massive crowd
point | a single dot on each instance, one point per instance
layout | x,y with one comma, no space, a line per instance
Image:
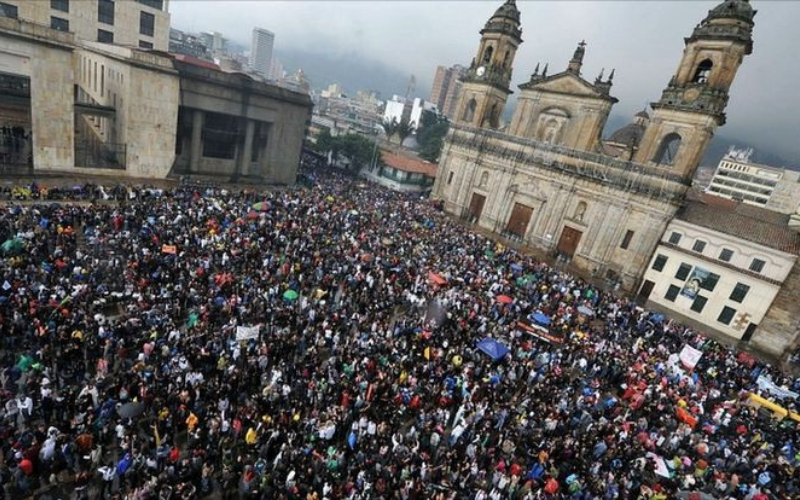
322,343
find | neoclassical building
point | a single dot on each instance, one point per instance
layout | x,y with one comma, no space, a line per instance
549,180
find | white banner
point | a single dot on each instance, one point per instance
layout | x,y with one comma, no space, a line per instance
768,385
660,465
690,356
247,332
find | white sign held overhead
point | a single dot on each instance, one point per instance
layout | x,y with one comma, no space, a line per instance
247,332
690,356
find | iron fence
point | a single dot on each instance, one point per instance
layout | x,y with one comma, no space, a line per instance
95,154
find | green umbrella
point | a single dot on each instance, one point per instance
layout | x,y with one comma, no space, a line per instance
193,318
12,245
290,295
489,253
25,362
260,206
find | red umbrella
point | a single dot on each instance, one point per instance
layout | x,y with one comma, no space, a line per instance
504,299
252,215
437,279
26,466
367,257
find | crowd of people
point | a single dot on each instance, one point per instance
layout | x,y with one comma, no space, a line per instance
322,342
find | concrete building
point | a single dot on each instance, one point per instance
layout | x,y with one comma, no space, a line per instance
234,127
722,264
261,51
445,89
398,109
276,71
402,173
133,23
87,107
737,178
547,181
215,42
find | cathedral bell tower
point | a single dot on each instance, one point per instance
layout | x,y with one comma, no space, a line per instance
693,104
486,84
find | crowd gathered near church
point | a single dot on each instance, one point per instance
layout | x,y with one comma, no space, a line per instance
341,341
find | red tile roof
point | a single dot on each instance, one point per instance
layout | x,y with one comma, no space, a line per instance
409,164
747,222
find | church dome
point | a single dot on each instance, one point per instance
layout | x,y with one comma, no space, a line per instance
508,11
733,9
642,114
629,136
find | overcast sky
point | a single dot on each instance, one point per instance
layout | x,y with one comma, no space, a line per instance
643,40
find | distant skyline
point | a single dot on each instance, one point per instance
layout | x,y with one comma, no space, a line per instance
643,41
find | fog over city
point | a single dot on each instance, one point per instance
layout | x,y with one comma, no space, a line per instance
643,41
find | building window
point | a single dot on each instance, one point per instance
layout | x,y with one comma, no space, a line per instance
660,262
156,4
674,238
469,110
668,150
726,255
105,12
450,178
699,303
147,23
62,5
145,45
8,10
710,282
672,293
739,292
626,241
726,315
757,265
683,272
104,37
703,71
699,246
57,23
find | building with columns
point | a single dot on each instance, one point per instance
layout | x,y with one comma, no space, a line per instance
548,179
78,106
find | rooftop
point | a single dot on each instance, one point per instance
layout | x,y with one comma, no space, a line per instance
747,222
408,164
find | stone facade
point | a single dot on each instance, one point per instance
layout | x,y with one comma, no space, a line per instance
84,20
547,181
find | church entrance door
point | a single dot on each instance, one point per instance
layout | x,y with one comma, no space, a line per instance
569,240
476,207
519,219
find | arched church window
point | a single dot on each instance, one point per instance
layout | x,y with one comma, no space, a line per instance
484,179
505,59
491,118
668,150
469,110
487,54
703,71
580,211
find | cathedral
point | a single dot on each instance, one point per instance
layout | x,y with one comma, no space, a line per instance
549,180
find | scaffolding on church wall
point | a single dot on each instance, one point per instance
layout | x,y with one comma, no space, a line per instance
625,175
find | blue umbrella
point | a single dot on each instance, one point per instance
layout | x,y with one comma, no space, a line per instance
492,348
541,319
516,267
658,318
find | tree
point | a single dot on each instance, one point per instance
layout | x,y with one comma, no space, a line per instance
357,149
389,127
431,134
402,129
326,143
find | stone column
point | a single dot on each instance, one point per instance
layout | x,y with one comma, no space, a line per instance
247,152
265,158
196,144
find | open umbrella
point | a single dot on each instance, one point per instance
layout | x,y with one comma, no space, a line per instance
437,279
516,267
290,295
12,245
504,299
541,319
261,206
585,311
492,348
252,215
130,410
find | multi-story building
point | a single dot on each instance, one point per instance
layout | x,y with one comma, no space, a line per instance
722,265
215,42
399,108
276,71
737,178
445,89
261,51
133,23
186,44
81,107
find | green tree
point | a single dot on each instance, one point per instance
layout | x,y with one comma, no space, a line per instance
404,129
358,149
430,136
